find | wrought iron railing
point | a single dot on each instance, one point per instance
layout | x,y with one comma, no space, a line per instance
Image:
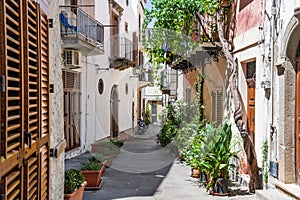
122,48
78,22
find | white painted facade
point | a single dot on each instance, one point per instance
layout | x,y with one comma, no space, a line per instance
95,108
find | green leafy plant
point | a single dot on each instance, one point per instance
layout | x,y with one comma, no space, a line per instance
147,115
92,164
73,180
117,143
265,170
217,151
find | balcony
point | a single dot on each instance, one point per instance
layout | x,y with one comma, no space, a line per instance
123,54
81,32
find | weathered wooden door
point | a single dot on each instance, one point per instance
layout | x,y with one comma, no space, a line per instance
251,109
71,83
24,114
297,119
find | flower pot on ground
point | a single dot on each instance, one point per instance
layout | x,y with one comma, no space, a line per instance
195,173
216,160
106,150
92,172
74,185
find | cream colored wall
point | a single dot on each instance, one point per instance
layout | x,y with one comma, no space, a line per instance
248,51
214,79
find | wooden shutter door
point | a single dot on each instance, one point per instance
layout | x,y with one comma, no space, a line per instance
44,142
71,83
24,101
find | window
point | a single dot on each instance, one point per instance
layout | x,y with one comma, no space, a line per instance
188,95
250,70
127,2
244,3
154,111
100,86
216,97
126,27
126,88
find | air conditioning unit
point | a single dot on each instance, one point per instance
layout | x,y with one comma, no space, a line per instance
72,59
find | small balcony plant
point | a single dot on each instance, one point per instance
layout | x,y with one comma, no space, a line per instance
74,185
92,172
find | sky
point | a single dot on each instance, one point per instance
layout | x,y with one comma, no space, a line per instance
149,6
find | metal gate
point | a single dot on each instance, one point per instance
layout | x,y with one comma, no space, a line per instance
24,94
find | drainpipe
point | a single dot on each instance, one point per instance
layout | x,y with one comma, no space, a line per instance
273,25
86,99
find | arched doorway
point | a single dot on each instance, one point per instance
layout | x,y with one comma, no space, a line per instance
114,112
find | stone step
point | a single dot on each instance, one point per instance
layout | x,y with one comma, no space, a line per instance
292,190
272,194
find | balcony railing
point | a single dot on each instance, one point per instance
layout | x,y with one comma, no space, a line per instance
146,76
122,48
76,24
122,52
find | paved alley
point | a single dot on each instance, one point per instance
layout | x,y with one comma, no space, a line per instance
145,170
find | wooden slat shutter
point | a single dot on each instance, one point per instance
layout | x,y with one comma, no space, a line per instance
217,106
24,113
71,84
31,69
12,70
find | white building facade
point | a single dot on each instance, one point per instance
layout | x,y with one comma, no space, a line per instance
102,100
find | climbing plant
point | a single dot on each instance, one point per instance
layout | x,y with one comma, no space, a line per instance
183,18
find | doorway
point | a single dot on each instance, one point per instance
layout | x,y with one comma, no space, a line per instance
250,73
71,84
114,112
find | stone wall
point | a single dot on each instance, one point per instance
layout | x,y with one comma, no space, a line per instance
56,104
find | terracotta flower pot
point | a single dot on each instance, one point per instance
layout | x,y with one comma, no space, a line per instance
225,3
77,194
93,177
195,173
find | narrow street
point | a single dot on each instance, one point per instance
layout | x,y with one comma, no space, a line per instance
145,170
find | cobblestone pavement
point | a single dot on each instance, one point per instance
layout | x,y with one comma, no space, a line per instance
145,170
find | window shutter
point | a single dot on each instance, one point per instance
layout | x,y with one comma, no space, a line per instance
188,95
24,100
217,106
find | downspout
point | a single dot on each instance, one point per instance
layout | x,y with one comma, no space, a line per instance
273,25
86,99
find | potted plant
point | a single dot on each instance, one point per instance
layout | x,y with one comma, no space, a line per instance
92,172
217,151
74,185
106,150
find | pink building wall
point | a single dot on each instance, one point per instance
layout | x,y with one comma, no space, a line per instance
248,17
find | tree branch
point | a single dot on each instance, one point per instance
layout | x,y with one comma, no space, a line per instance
239,112
203,28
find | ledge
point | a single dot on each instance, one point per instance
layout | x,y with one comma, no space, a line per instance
292,190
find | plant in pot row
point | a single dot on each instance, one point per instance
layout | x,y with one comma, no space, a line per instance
74,184
211,152
92,172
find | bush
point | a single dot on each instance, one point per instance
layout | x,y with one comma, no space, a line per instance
93,164
73,180
167,133
117,143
